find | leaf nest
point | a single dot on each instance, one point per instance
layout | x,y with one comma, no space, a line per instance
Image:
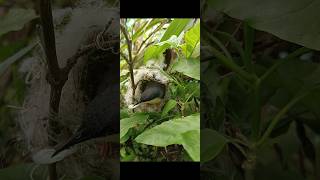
141,76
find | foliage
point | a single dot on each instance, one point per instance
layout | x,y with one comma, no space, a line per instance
16,19
297,19
174,132
12,90
261,102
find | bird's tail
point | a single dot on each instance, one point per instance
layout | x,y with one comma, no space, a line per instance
134,105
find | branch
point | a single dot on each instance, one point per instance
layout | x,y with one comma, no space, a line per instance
53,70
48,36
129,61
124,57
151,34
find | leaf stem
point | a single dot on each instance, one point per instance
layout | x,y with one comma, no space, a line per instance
281,61
219,44
279,115
231,65
248,46
256,117
129,59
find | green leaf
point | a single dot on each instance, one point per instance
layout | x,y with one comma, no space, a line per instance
175,28
155,50
145,28
188,67
292,20
127,154
6,63
16,19
169,105
7,50
192,41
128,123
17,172
212,144
191,144
124,113
296,76
183,131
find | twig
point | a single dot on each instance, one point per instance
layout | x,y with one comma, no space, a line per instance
150,35
129,61
124,57
53,70
233,34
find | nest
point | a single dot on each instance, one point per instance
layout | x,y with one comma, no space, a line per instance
141,76
78,26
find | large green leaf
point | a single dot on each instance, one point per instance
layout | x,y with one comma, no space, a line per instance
130,122
175,28
188,67
212,144
17,172
16,19
191,144
184,131
192,41
292,20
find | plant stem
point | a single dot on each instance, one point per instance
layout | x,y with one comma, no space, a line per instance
233,34
219,44
129,59
231,65
279,115
248,46
150,35
281,61
53,71
256,118
233,41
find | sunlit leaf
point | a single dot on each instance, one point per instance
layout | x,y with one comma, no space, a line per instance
174,132
175,28
155,50
191,144
192,41
130,122
188,67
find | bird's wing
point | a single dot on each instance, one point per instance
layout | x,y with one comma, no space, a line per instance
150,94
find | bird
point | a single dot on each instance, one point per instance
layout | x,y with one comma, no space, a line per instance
101,118
153,93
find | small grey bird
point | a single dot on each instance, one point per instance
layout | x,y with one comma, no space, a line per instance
101,118
153,93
